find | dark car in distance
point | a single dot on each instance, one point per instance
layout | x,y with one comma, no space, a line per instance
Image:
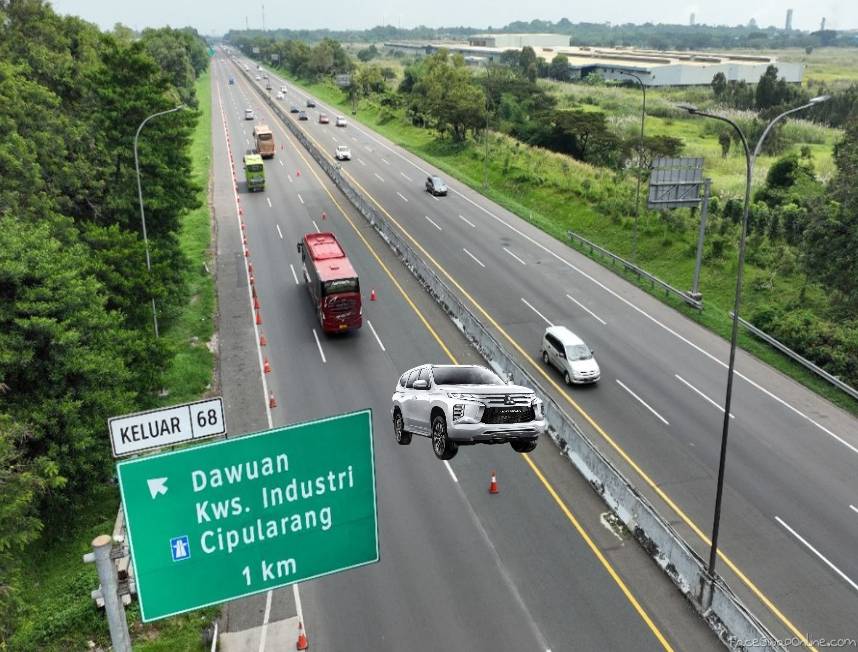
436,186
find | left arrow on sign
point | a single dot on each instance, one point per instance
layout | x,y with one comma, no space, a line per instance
157,486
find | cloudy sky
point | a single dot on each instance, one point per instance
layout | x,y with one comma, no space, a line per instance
218,16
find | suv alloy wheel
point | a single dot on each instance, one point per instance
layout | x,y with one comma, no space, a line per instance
403,438
442,446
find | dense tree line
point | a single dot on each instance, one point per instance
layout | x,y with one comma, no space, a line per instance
76,342
324,59
648,35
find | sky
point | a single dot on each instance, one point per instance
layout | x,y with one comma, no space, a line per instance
216,17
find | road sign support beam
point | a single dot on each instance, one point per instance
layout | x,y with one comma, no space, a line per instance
102,556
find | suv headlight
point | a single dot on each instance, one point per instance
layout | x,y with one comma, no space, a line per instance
538,409
463,397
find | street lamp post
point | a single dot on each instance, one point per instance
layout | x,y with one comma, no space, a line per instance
140,198
640,166
750,159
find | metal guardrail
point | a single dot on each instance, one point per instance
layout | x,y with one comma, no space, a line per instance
783,348
722,610
654,280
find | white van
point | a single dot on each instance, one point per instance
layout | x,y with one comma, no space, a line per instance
248,114
566,351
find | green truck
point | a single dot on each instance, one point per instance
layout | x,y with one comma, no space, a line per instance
254,172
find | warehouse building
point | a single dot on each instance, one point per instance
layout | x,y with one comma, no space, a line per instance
654,67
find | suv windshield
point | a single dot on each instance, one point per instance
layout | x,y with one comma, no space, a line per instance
578,352
465,376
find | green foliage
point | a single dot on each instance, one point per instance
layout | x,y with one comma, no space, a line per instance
367,54
559,68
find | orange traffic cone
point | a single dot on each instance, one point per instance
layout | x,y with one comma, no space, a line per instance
252,281
324,215
256,302
258,317
246,252
298,173
372,295
249,267
266,366
493,486
272,402
302,643
263,341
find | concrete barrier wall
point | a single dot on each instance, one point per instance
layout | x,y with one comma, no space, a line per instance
732,622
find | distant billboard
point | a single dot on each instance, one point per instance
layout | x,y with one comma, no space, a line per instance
255,50
275,57
343,80
675,183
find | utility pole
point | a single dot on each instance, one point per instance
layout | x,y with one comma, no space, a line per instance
263,17
102,547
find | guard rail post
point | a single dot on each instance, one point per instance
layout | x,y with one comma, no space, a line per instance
102,548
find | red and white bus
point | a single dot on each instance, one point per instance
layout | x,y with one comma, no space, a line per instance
332,282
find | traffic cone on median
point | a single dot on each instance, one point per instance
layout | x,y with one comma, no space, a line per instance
372,295
263,341
272,403
258,317
298,173
266,366
256,303
302,642
493,486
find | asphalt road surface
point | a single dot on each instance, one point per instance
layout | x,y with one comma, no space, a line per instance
790,521
530,568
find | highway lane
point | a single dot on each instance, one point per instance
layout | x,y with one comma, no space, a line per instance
778,446
432,536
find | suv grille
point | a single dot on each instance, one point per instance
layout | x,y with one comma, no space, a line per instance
512,414
501,399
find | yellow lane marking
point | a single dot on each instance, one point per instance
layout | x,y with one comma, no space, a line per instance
682,515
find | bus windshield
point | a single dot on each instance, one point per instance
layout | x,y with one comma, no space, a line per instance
339,286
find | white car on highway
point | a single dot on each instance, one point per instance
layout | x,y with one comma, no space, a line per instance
343,153
562,349
341,121
462,405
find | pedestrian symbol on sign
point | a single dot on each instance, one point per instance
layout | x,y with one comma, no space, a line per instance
180,548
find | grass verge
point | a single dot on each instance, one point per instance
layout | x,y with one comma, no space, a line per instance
59,613
522,181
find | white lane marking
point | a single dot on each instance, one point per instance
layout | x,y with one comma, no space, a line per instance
300,197
319,344
514,256
280,233
527,303
334,138
247,141
467,221
644,403
354,139
268,199
853,508
701,394
361,162
263,635
476,260
433,223
294,275
368,148
435,198
318,230
402,197
289,176
631,305
280,161
377,338
406,176
298,610
817,553
385,161
378,176
586,309
450,469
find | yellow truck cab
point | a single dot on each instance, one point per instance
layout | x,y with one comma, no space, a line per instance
264,140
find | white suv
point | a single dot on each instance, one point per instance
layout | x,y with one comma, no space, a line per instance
566,351
461,405
344,153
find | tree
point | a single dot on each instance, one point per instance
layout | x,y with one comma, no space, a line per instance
766,93
447,93
585,136
559,68
527,63
367,54
724,139
719,85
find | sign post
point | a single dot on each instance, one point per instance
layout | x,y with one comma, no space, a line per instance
232,518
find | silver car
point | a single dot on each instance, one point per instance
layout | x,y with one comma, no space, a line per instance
462,405
563,349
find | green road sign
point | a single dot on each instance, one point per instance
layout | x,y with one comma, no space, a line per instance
224,520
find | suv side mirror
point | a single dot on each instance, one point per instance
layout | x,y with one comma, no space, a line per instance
421,384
